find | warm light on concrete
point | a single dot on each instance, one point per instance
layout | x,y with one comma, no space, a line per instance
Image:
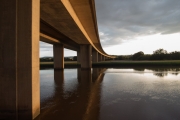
19,63
69,23
48,39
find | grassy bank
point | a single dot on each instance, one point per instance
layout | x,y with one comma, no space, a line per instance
68,64
162,63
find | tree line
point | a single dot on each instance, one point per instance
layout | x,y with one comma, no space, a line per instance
159,54
51,59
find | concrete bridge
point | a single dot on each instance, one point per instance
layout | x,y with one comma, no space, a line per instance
64,23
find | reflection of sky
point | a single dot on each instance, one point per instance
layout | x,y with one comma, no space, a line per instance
123,79
145,90
124,94
70,80
139,83
161,73
48,86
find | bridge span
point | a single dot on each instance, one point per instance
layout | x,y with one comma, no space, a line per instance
71,23
64,23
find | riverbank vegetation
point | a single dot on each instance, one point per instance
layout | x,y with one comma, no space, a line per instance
159,57
118,64
132,63
159,54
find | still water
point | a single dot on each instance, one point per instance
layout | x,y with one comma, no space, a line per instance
110,94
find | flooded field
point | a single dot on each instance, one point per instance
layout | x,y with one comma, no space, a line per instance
110,94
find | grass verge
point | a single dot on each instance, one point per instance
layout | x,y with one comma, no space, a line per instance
115,64
138,63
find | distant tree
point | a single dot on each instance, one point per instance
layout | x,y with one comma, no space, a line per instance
160,54
138,55
46,59
174,55
160,51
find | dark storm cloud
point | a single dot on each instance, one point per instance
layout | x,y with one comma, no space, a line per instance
122,20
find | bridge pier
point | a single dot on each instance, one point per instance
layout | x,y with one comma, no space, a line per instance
84,56
94,56
58,52
103,57
99,57
19,59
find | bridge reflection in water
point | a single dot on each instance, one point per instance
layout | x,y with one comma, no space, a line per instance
105,94
83,102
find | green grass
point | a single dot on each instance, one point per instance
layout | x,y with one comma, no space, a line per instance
162,63
66,64
138,63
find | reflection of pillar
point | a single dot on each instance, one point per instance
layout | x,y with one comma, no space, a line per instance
85,76
79,74
58,51
59,76
85,56
79,62
86,96
19,59
92,111
94,56
95,74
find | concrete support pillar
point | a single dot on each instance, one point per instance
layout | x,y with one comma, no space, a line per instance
58,51
103,58
78,57
94,56
85,56
99,57
19,59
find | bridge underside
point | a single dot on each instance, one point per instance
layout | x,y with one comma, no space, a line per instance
70,24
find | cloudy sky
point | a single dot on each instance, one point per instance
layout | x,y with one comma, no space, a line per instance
130,26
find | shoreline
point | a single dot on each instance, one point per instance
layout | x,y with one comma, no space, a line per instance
118,64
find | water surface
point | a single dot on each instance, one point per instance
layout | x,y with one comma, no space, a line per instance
110,94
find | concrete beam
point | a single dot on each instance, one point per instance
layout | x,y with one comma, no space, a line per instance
58,51
76,19
19,59
52,36
85,56
47,39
